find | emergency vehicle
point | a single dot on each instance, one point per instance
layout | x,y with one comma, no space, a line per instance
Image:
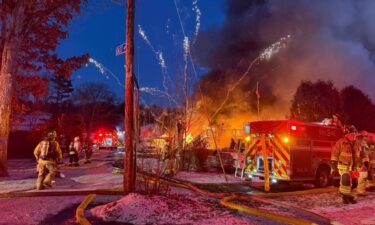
106,139
296,151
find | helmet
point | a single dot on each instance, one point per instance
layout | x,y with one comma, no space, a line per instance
350,129
52,135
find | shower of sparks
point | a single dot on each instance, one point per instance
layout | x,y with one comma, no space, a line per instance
198,14
265,55
97,65
186,47
105,71
156,92
145,38
159,56
274,48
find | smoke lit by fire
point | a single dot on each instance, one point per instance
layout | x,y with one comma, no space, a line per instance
329,40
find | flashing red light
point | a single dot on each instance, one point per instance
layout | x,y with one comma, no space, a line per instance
293,127
100,134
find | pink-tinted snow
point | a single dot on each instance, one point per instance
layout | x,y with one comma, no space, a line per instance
174,209
330,205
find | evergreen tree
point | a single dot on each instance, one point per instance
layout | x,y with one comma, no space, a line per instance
315,101
358,107
61,92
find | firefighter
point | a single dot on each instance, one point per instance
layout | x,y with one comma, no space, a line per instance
363,165
74,150
345,158
371,171
47,153
88,151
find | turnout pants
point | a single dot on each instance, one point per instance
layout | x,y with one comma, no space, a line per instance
73,158
362,181
346,181
46,173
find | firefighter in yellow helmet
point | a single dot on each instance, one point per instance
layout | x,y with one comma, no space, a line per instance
47,153
346,157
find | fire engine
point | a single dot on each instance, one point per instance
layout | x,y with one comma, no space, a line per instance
107,139
296,151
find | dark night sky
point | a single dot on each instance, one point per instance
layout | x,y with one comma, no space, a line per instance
101,27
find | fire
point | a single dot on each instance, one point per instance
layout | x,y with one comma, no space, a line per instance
189,138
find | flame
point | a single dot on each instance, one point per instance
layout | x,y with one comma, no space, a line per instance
189,138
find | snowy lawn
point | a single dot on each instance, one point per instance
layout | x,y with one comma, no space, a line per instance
330,205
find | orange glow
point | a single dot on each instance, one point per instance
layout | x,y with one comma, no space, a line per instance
189,138
286,139
247,138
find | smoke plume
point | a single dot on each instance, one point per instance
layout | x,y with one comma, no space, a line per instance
330,40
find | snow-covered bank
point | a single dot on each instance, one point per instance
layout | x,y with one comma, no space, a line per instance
174,209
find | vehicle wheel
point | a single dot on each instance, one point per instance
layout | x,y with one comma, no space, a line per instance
322,178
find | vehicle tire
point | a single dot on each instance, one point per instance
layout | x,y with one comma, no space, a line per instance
322,177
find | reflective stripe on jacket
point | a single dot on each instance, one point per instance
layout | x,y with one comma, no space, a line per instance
343,152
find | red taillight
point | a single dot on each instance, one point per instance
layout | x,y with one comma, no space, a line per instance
293,127
100,134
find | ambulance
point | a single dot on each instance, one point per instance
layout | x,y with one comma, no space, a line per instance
296,151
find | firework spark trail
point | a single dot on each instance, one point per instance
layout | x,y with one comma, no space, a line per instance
198,14
153,91
264,55
274,48
157,92
144,37
159,56
105,71
184,33
186,47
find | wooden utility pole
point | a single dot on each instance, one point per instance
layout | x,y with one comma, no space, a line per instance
129,161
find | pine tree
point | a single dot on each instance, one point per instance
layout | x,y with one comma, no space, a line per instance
61,91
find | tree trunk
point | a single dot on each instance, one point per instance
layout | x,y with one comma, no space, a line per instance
8,67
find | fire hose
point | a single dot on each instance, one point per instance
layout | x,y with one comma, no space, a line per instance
226,199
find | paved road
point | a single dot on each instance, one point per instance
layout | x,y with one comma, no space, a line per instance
96,175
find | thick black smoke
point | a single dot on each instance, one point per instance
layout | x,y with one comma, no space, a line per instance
330,40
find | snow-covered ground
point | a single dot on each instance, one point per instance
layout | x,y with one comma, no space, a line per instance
173,209
180,206
330,205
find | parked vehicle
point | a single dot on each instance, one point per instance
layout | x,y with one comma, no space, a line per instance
296,151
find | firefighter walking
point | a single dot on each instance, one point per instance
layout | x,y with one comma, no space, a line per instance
47,153
346,158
